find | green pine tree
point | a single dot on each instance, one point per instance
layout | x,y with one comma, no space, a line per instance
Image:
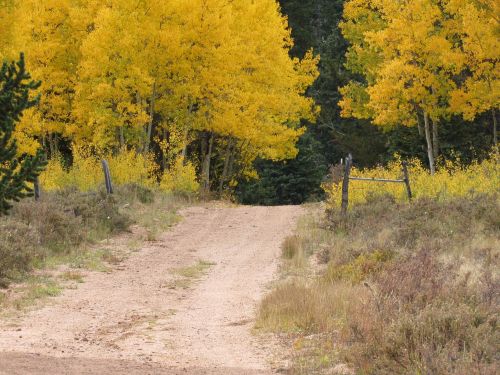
16,172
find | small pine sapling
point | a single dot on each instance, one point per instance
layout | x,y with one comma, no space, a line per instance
16,171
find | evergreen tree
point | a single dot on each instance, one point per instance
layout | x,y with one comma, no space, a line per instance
314,25
15,171
288,182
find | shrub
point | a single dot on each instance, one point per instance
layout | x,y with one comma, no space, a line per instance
57,227
408,289
135,192
360,268
18,248
181,178
129,167
424,318
98,211
58,223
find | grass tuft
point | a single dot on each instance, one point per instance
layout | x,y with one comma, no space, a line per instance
186,276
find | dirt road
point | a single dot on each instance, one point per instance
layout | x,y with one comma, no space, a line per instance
150,316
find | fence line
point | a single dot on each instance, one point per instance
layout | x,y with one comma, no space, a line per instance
348,177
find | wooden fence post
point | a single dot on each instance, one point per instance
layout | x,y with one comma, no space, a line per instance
345,186
407,180
107,176
36,188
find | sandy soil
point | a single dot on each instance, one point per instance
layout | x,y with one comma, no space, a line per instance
137,320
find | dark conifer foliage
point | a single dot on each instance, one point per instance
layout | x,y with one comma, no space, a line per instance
288,182
15,171
314,25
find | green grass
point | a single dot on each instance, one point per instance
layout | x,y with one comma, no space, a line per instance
194,271
34,290
158,217
186,276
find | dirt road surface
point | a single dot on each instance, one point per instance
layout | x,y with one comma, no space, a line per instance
143,319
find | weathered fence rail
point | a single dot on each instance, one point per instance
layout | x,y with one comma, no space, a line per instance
347,177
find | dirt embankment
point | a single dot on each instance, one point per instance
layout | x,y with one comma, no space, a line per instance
184,304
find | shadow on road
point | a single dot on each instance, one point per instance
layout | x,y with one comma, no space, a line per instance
34,364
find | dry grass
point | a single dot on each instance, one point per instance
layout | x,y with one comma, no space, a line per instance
291,247
72,276
407,289
63,228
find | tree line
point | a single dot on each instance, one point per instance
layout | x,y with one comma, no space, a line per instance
420,62
211,81
260,89
338,30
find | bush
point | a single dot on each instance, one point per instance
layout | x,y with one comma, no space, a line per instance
181,178
135,192
18,248
85,173
98,210
58,223
425,318
360,268
408,289
57,226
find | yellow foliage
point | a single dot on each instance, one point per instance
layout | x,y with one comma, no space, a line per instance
451,180
114,74
86,173
181,178
54,177
130,167
410,54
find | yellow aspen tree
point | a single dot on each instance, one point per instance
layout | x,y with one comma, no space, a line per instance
412,73
164,57
479,27
248,92
6,21
112,85
125,73
42,29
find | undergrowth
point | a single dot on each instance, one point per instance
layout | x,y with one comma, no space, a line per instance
65,226
451,180
397,288
127,167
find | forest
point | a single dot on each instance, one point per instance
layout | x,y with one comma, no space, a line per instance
440,57
303,187
183,85
185,93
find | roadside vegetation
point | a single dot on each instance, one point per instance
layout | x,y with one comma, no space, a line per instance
452,179
396,288
54,241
